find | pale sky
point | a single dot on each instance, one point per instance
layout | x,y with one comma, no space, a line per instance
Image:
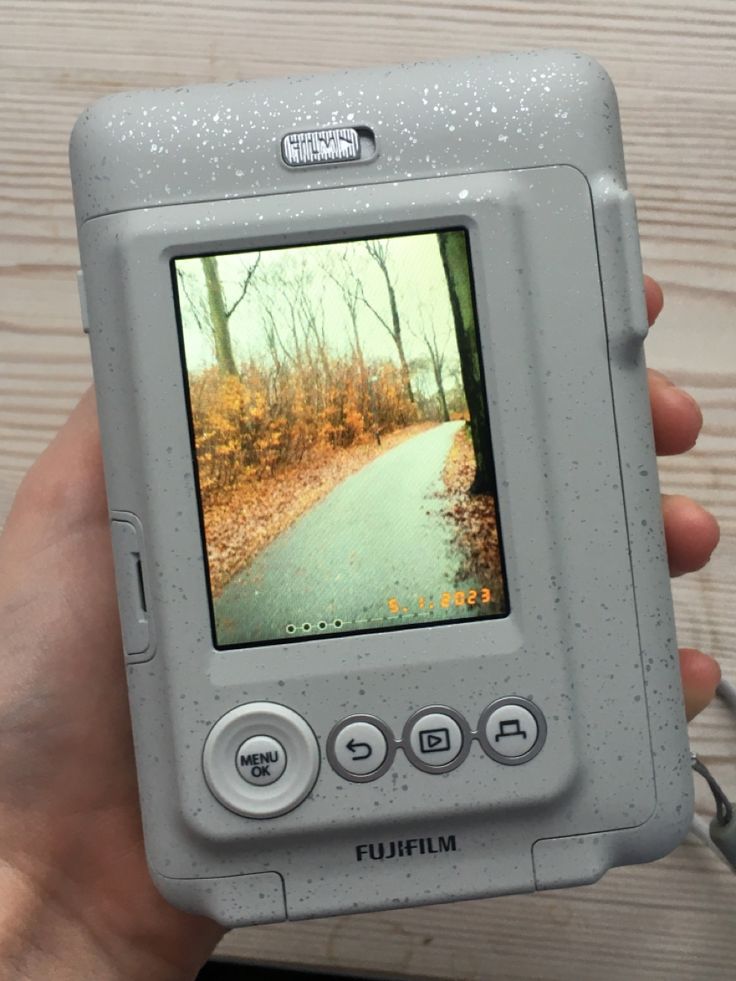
416,270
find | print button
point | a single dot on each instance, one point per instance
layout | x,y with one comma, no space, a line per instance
512,730
261,760
436,739
360,748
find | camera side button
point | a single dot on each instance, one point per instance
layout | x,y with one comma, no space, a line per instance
436,739
82,301
512,730
360,748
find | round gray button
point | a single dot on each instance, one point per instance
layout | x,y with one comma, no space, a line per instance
260,729
512,730
436,739
360,748
261,760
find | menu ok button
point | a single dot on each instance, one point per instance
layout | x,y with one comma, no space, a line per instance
261,760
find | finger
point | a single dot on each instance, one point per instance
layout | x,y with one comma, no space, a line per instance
654,297
690,531
76,446
55,549
64,486
700,676
676,416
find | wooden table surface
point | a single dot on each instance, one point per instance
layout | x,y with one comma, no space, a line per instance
673,64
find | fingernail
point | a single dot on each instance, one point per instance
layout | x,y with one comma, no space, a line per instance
694,402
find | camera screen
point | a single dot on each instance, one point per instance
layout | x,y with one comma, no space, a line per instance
341,439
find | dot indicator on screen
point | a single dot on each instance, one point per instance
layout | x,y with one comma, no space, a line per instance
306,627
337,623
291,628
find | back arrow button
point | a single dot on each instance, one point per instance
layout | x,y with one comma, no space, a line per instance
355,750
358,748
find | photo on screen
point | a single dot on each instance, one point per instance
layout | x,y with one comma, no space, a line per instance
341,437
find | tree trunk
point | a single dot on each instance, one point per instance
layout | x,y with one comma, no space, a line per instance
438,363
396,322
219,317
441,392
453,252
378,253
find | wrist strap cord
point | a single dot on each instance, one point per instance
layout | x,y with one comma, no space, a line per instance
720,834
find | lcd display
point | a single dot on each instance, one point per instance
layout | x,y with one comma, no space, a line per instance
341,437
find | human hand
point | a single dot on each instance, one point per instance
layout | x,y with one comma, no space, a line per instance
691,532
78,901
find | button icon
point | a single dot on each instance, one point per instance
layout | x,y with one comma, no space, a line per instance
509,727
261,760
359,751
436,739
512,730
360,748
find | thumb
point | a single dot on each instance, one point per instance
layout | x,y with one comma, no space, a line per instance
62,489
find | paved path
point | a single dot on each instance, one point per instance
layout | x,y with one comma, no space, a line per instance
380,533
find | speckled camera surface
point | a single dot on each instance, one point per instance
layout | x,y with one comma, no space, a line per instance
524,151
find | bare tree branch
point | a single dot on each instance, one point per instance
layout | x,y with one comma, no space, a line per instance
378,250
378,316
428,334
188,296
229,312
350,288
274,339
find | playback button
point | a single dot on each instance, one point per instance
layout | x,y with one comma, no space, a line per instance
360,748
436,739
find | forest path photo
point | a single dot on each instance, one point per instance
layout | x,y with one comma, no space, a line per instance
355,550
341,434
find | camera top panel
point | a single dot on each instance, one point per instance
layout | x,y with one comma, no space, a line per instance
209,142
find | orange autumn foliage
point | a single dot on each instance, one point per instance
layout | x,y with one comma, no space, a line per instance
474,519
250,426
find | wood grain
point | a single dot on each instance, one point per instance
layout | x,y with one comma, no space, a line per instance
673,67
